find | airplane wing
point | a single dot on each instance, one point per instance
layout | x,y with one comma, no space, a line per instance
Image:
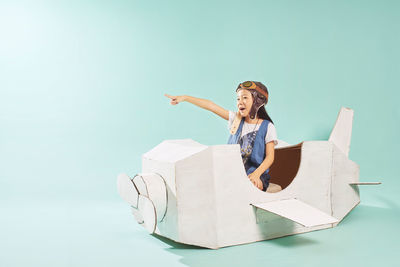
366,183
297,211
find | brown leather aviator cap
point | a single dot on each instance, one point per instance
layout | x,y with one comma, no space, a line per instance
259,87
260,95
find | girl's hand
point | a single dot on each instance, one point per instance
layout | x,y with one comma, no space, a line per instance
255,179
175,99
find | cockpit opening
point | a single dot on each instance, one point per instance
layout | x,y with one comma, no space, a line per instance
285,167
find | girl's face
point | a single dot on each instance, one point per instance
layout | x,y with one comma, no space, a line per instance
244,102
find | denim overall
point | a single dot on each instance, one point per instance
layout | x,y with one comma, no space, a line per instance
253,157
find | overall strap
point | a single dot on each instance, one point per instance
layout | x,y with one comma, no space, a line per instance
234,138
235,123
258,153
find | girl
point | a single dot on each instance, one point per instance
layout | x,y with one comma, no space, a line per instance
250,126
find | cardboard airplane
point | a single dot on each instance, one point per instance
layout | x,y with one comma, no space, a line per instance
200,195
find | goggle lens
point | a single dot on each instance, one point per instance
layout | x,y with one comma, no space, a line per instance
247,84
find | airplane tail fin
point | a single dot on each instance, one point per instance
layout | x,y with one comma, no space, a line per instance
341,133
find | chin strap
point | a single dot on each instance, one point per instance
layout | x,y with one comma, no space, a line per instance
236,123
253,112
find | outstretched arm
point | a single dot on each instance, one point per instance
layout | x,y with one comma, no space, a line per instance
203,103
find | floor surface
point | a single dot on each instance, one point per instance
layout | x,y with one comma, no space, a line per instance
84,233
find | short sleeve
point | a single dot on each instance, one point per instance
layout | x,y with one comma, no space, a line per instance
231,118
271,134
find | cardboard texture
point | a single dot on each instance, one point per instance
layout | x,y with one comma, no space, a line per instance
201,195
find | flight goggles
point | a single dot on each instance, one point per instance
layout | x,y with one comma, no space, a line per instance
249,85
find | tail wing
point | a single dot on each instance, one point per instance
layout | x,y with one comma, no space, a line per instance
341,133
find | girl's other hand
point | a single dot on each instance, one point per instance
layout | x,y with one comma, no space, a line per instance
255,179
175,99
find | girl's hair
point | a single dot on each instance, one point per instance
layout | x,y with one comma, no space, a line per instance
262,114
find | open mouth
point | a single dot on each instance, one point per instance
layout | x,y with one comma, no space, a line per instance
241,109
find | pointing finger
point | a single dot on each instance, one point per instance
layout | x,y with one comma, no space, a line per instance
169,96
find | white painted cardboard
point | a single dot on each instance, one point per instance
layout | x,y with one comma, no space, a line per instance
208,194
341,133
297,211
148,212
127,190
366,183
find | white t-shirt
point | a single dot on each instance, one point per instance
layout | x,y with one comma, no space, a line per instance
247,128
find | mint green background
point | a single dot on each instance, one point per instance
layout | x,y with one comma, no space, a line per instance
81,99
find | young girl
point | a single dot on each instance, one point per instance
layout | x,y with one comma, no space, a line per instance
250,126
